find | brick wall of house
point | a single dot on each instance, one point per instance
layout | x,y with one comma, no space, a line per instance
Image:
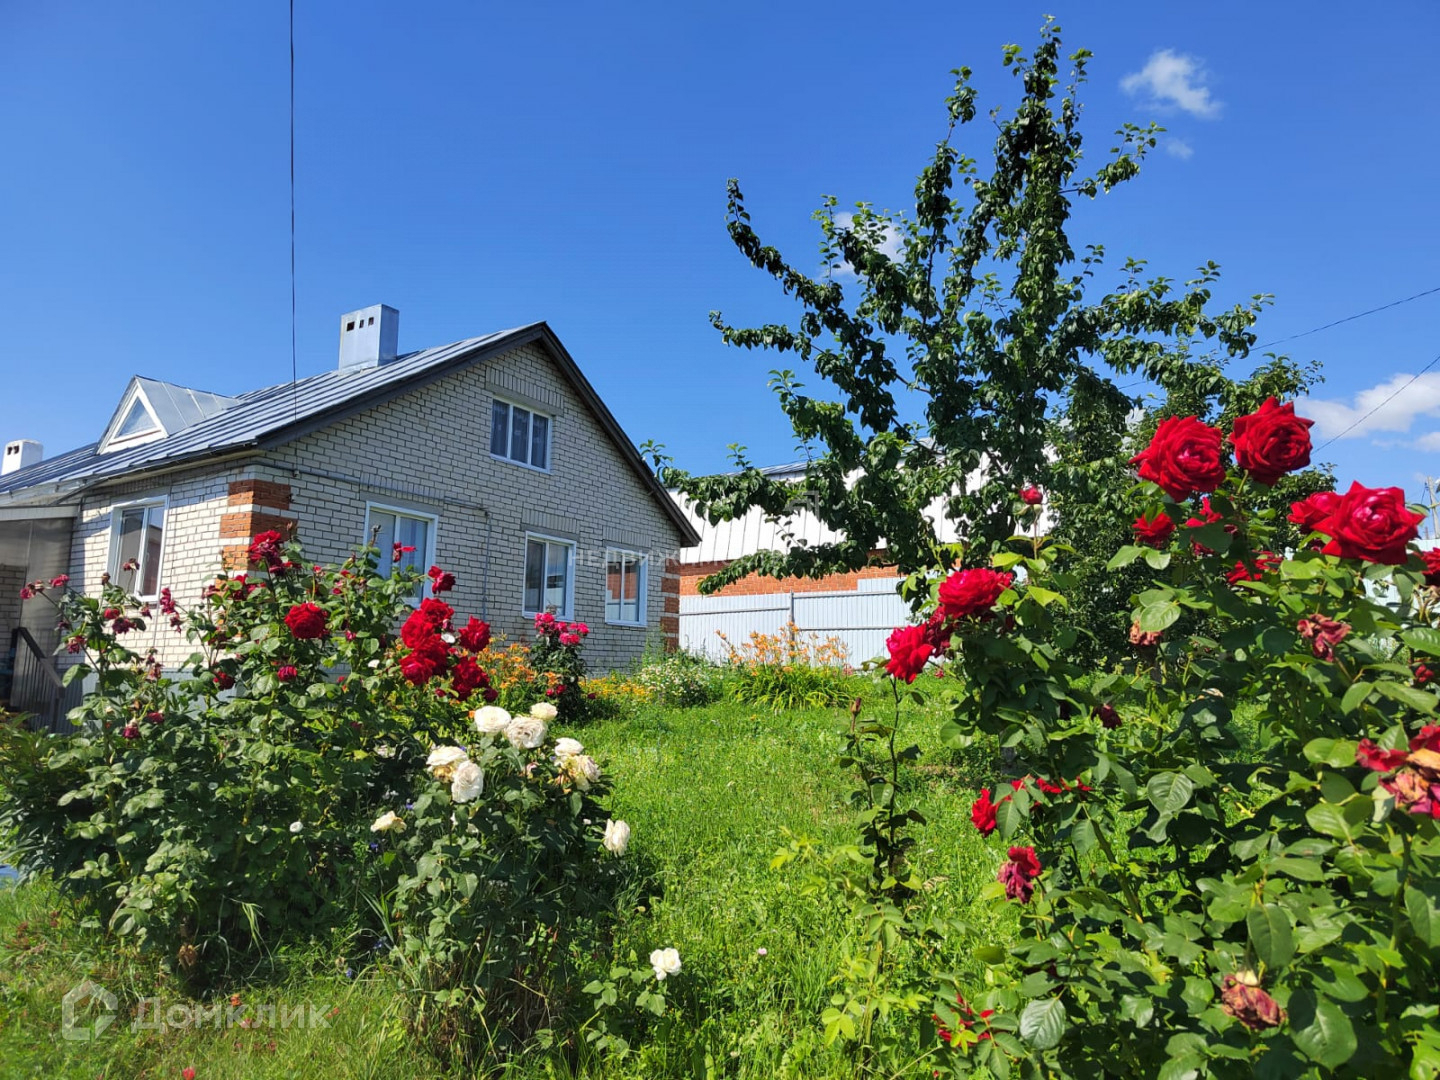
191,556
427,451
756,585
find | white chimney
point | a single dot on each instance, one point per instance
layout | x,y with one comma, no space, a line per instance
368,337
19,454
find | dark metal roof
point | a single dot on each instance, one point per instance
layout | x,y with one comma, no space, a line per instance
263,419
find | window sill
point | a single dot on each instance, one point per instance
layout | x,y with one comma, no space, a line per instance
628,625
519,464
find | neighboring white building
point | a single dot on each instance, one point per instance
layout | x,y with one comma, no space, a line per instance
494,457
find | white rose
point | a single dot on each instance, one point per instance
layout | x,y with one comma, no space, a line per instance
468,783
581,769
543,710
525,732
567,748
296,826
490,719
617,838
387,821
373,664
444,760
665,962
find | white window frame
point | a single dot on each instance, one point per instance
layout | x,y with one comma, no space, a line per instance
546,538
642,605
410,512
112,563
509,434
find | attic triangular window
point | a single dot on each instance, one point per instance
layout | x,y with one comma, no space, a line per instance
138,421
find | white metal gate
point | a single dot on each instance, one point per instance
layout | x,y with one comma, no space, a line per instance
861,619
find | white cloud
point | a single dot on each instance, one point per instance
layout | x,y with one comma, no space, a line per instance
1172,78
1178,148
1391,414
892,245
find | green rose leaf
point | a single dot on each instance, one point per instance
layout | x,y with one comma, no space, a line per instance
1042,1023
1271,935
1355,696
1424,915
1423,639
1169,792
1330,1038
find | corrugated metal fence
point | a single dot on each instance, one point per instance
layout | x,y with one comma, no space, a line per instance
862,620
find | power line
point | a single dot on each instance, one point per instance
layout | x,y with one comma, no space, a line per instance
294,364
1348,318
1382,404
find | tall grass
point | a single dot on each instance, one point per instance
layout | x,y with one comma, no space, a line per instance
709,793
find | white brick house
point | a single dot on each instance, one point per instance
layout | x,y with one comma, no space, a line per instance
493,456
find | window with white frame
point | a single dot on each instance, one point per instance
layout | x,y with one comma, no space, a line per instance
390,526
625,587
549,575
520,435
137,542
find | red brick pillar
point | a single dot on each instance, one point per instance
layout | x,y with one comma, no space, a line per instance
670,608
254,507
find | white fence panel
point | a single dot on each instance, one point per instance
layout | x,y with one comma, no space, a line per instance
861,620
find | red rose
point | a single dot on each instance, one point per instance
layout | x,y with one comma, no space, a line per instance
1264,560
428,620
1031,495
1271,441
187,1073
970,592
1018,874
1242,998
1423,675
286,672
1109,716
224,680
440,580
130,731
60,582
1311,512
1185,456
1376,759
1432,566
306,621
1154,532
983,812
475,635
425,662
467,678
265,547
110,613
1428,739
1208,516
1372,524
908,652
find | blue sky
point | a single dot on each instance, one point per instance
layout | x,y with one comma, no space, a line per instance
481,167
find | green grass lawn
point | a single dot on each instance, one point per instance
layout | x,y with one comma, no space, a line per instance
709,793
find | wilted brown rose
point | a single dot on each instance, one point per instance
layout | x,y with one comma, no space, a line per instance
1242,998
1143,639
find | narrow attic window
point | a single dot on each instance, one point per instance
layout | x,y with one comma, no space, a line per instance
138,421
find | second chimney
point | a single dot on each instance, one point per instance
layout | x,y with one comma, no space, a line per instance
368,337
20,454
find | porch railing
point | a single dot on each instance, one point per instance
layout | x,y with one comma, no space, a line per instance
36,687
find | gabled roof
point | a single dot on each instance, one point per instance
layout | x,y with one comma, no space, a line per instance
215,426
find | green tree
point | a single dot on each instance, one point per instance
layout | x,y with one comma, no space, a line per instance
949,364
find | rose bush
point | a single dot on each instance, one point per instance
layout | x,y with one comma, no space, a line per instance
1195,896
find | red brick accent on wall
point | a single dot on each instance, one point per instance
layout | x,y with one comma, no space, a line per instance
755,585
265,493
670,609
260,505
